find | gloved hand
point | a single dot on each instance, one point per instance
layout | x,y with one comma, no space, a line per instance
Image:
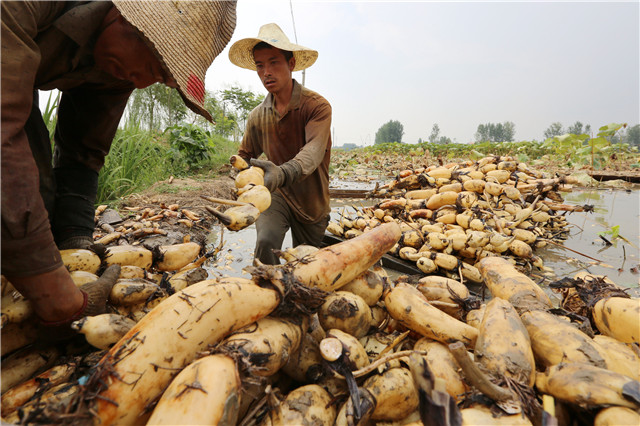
99,290
274,176
95,295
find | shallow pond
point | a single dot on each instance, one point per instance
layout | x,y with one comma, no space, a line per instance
619,261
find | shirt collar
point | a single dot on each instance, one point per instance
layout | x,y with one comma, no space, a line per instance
294,102
81,22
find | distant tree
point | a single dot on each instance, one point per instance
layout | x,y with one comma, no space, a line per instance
444,140
508,131
435,133
392,131
587,129
241,101
155,108
492,132
578,129
229,109
482,133
348,146
419,140
225,119
633,135
575,128
555,129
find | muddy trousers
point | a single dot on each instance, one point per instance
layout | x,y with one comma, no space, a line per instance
273,224
68,191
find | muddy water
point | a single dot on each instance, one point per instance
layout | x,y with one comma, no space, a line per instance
611,208
618,261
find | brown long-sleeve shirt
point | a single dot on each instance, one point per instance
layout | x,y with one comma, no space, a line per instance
301,134
47,45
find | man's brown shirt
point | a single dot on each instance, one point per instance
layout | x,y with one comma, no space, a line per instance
301,134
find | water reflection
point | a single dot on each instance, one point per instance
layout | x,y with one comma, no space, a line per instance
612,208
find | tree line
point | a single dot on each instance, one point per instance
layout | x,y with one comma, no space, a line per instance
159,107
393,131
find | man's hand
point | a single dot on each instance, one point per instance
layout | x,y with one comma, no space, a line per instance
274,176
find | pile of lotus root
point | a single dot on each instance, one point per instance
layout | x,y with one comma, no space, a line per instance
328,338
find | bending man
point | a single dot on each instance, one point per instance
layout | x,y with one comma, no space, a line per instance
95,53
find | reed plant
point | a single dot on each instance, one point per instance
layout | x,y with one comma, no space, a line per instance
137,159
50,112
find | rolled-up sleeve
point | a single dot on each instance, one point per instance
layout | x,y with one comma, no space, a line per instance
317,132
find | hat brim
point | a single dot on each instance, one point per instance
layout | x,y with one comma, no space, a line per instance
241,53
186,37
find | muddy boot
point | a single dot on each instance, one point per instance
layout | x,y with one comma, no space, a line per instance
77,242
95,295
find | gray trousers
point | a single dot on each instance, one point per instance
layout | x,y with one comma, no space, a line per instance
273,224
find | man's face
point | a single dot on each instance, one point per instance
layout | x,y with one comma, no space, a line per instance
121,52
273,69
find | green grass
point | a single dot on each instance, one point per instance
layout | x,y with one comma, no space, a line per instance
140,158
136,160
224,148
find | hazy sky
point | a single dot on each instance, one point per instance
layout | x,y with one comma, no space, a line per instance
457,64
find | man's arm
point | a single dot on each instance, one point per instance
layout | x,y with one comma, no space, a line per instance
318,136
25,224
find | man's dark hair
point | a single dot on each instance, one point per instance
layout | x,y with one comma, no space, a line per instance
263,45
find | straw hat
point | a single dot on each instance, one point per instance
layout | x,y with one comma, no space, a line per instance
241,52
186,36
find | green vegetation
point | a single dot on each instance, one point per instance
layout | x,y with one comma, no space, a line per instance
191,144
567,150
159,137
49,115
597,152
137,159
140,158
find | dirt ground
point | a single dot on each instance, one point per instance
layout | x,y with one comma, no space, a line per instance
184,191
174,196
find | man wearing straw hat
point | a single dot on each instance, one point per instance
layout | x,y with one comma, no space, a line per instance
96,54
292,128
